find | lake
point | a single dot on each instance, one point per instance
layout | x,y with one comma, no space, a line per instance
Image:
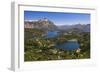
52,34
69,45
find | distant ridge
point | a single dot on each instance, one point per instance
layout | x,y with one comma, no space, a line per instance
81,27
46,24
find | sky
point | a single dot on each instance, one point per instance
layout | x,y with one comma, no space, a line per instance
59,18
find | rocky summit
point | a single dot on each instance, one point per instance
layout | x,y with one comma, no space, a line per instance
44,24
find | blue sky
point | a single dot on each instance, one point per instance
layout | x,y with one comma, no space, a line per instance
59,18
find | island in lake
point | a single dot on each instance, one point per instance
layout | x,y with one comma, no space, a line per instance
52,38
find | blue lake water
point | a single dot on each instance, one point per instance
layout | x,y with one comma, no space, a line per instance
69,45
51,34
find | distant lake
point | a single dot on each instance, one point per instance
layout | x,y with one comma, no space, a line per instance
52,34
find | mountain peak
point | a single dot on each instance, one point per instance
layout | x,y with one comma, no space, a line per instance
41,24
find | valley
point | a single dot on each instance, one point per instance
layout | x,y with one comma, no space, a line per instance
46,41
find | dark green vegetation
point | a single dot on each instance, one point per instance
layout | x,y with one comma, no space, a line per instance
37,48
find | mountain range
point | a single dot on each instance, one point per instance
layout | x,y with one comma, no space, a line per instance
46,24
81,27
43,24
